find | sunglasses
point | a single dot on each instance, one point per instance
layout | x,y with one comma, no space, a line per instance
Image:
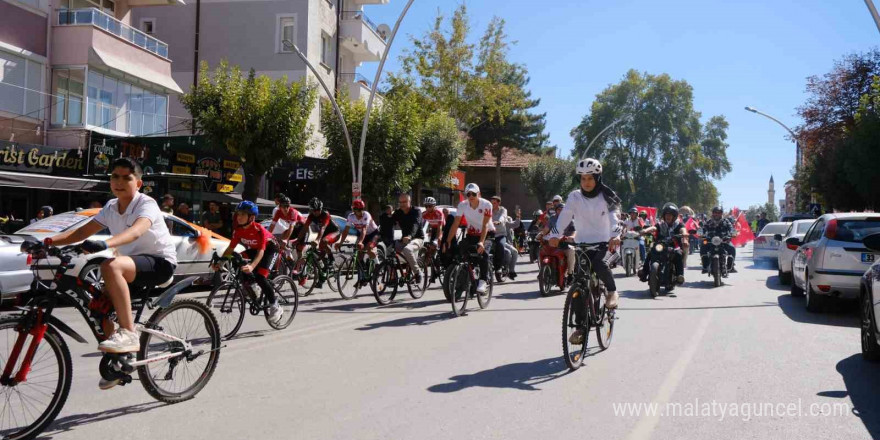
471,194
357,209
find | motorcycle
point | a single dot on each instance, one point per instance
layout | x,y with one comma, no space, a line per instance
630,251
534,246
719,260
551,270
662,269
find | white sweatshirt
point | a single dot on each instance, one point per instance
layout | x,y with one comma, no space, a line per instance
592,219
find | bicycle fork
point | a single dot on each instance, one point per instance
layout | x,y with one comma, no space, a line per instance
37,331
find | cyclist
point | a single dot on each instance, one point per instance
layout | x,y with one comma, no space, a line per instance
260,248
595,211
668,226
435,220
368,232
411,232
145,253
502,250
292,217
328,231
478,213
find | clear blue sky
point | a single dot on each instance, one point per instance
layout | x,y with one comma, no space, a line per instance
733,53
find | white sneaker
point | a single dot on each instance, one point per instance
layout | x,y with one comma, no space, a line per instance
275,312
611,299
123,341
105,384
482,286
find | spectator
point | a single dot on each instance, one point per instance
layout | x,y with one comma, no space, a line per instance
44,212
168,204
184,212
212,219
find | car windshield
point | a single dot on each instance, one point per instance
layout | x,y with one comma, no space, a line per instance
854,231
802,228
54,224
778,228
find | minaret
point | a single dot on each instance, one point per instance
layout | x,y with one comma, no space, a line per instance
771,193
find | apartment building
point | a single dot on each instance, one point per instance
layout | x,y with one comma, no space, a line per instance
335,35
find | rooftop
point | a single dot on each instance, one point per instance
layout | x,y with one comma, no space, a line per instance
511,158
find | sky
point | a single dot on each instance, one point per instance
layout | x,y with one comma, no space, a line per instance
733,53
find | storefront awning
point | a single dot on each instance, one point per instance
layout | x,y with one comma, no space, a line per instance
103,58
39,181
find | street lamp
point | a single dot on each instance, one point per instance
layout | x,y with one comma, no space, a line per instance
874,13
290,45
794,136
587,151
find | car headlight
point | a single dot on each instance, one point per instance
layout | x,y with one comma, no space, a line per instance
658,247
716,241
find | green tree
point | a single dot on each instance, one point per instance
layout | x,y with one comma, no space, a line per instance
393,139
263,121
440,149
547,176
658,150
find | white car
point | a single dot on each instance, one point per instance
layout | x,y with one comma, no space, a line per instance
831,258
281,226
766,246
798,229
194,246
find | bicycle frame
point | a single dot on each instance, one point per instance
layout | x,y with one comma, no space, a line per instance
585,276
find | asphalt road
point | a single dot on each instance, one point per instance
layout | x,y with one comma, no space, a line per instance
742,361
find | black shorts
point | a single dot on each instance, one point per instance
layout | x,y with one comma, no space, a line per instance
270,256
151,270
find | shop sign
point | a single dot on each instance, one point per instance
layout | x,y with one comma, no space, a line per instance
41,159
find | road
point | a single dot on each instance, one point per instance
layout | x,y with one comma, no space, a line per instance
410,370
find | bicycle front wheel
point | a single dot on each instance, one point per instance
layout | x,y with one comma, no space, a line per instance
573,352
347,278
181,377
305,274
385,283
288,300
30,406
459,289
605,324
227,303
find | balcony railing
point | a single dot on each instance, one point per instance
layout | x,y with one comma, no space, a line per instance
359,15
356,77
103,21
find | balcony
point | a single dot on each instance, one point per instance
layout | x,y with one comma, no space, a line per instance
361,37
103,21
359,87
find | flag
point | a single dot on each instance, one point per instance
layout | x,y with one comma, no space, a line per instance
652,214
691,225
745,232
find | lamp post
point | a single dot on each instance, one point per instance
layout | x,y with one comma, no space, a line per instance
289,44
870,4
587,151
794,136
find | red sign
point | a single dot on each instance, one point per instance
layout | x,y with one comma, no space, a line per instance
456,180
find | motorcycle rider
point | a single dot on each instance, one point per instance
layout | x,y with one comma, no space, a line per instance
634,223
502,251
555,238
717,226
668,226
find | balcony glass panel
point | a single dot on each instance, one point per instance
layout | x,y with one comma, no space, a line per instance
101,20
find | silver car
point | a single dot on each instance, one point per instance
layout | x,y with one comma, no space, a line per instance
193,252
766,246
798,229
831,258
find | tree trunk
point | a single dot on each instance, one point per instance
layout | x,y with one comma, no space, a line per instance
417,194
498,173
251,184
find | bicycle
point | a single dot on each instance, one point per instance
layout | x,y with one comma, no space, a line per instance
432,265
392,274
464,277
311,271
37,373
597,315
354,268
229,299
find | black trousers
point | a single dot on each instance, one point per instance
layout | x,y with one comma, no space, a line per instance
602,272
468,245
704,253
677,260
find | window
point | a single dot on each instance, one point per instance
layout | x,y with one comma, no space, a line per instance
67,96
21,82
286,34
816,232
326,50
148,25
112,104
179,229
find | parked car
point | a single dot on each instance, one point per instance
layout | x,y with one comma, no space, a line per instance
313,229
766,246
869,304
831,258
15,270
798,229
797,216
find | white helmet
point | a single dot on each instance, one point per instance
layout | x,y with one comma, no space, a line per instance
430,201
472,187
589,166
557,198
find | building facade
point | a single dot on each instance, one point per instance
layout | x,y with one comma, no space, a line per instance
514,193
335,35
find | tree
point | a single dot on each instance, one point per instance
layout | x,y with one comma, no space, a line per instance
440,149
547,176
263,121
393,138
657,142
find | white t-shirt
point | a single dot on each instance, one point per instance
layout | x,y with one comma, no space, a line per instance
155,241
594,220
365,222
475,217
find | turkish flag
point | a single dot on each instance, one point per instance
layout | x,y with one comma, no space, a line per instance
652,214
691,225
745,232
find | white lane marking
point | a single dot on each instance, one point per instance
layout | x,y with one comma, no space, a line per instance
645,426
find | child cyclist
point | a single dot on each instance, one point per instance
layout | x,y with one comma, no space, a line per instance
367,231
260,249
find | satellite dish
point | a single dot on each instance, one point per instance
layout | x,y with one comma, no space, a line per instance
384,31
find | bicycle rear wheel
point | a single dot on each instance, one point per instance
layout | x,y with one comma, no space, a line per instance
459,289
305,274
30,406
484,298
227,303
288,300
347,278
574,354
605,326
180,378
385,283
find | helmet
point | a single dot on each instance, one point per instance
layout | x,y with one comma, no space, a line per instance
670,208
557,198
643,214
560,206
358,204
633,211
47,210
589,166
316,204
248,206
538,213
283,200
430,201
472,187
717,209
